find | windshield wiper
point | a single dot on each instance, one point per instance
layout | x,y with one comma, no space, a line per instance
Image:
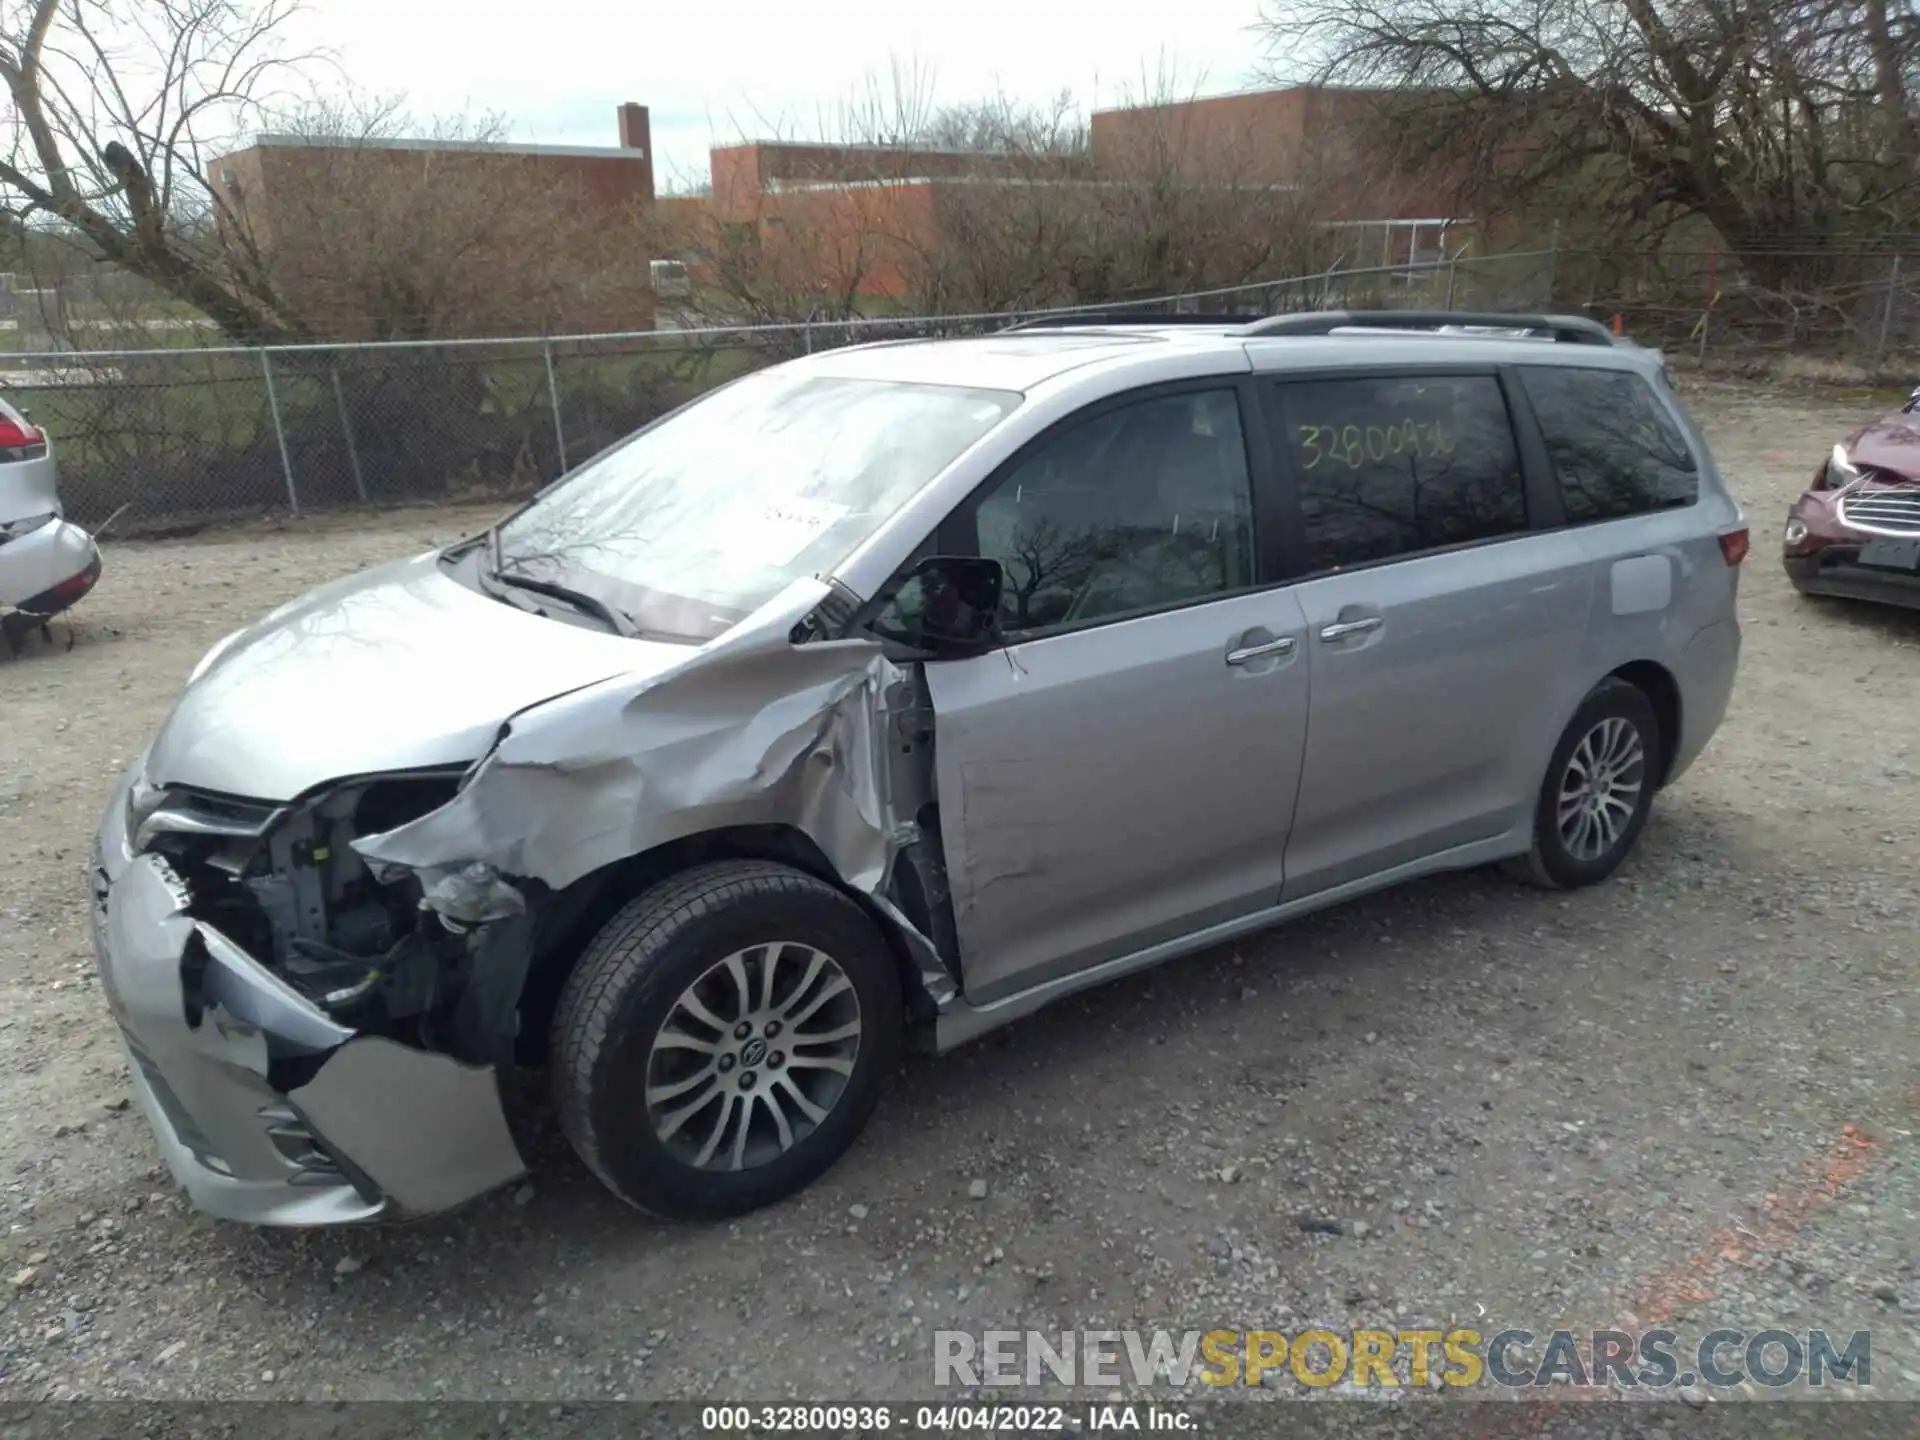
615,620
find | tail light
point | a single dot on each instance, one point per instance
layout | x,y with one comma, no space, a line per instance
18,435
71,588
1734,545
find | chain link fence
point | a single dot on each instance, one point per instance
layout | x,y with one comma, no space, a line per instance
1843,313
156,438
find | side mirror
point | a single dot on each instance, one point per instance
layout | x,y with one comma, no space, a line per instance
947,604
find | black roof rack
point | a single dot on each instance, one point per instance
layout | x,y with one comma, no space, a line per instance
1565,329
1098,319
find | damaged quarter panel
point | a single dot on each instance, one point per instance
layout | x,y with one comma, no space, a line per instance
752,729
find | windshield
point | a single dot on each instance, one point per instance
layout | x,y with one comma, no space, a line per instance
693,524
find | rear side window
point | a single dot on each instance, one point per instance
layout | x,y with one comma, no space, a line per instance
1395,466
1615,449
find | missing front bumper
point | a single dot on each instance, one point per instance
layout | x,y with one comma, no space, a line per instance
378,1130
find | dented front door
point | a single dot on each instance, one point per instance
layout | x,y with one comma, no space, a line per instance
1104,790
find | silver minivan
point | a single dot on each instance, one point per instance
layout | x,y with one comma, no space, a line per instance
893,693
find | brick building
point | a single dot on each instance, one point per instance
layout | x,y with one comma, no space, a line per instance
865,218
538,236
574,227
1322,140
1317,138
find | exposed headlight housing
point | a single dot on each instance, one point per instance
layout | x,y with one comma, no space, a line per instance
1841,471
142,800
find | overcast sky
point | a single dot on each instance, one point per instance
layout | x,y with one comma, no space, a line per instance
715,70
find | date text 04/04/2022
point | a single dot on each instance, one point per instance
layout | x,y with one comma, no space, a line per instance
944,1418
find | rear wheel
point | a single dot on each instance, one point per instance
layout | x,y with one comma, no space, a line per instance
1598,789
724,1039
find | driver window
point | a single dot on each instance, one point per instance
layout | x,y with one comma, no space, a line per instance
1145,506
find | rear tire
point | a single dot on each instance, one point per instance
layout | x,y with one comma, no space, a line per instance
1598,790
724,1039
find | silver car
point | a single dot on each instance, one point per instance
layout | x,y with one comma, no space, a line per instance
894,693
47,563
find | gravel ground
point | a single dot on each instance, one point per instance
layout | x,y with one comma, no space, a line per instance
1688,1096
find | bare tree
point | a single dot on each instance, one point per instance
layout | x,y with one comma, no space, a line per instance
115,109
900,108
849,225
1056,128
1772,120
1160,210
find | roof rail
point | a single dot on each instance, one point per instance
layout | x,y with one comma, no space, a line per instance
1565,329
1100,320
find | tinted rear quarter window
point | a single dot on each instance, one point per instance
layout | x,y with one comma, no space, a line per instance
1396,465
1615,450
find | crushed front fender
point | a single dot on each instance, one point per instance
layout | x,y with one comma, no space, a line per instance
752,730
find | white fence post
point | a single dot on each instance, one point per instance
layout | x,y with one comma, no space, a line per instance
553,394
279,431
1886,312
346,429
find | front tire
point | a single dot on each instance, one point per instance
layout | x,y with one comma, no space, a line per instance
724,1039
1598,789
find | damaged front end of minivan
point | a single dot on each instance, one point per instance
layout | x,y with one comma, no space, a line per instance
320,997
287,1017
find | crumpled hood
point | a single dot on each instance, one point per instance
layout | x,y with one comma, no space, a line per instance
396,668
1891,446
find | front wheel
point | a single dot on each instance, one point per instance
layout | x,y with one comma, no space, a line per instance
1598,789
724,1039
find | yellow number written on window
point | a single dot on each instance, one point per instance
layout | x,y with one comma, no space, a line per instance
1352,446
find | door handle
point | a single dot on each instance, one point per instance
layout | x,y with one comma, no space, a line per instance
1247,654
1340,629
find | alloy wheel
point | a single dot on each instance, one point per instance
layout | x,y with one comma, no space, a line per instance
753,1056
1600,788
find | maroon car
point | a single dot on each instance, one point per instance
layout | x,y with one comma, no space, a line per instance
1856,532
